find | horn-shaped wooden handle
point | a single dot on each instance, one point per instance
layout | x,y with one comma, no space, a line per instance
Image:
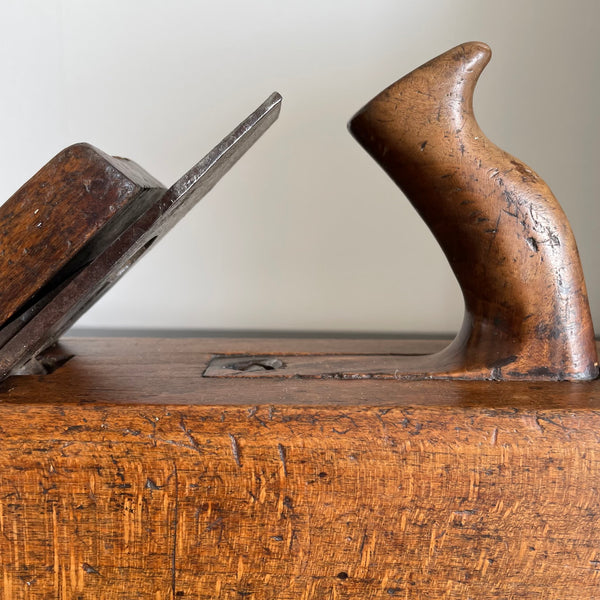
505,235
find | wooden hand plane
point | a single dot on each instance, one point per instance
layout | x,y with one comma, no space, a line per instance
302,468
75,227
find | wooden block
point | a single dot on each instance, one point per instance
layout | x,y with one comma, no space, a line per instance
63,217
127,474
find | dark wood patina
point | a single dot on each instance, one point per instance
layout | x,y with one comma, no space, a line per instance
63,217
505,236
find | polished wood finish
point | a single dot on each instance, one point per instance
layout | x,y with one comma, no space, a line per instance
127,474
503,232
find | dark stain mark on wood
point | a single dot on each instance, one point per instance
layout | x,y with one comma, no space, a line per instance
218,522
252,415
190,437
235,450
281,451
293,538
532,243
151,485
89,569
363,541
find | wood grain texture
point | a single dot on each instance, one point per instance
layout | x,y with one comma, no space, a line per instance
69,210
126,474
505,235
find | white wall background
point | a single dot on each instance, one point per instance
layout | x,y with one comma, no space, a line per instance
305,233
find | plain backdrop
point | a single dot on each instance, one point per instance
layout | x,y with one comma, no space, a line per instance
306,232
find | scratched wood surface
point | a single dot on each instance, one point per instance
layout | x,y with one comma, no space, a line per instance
505,235
126,474
41,231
